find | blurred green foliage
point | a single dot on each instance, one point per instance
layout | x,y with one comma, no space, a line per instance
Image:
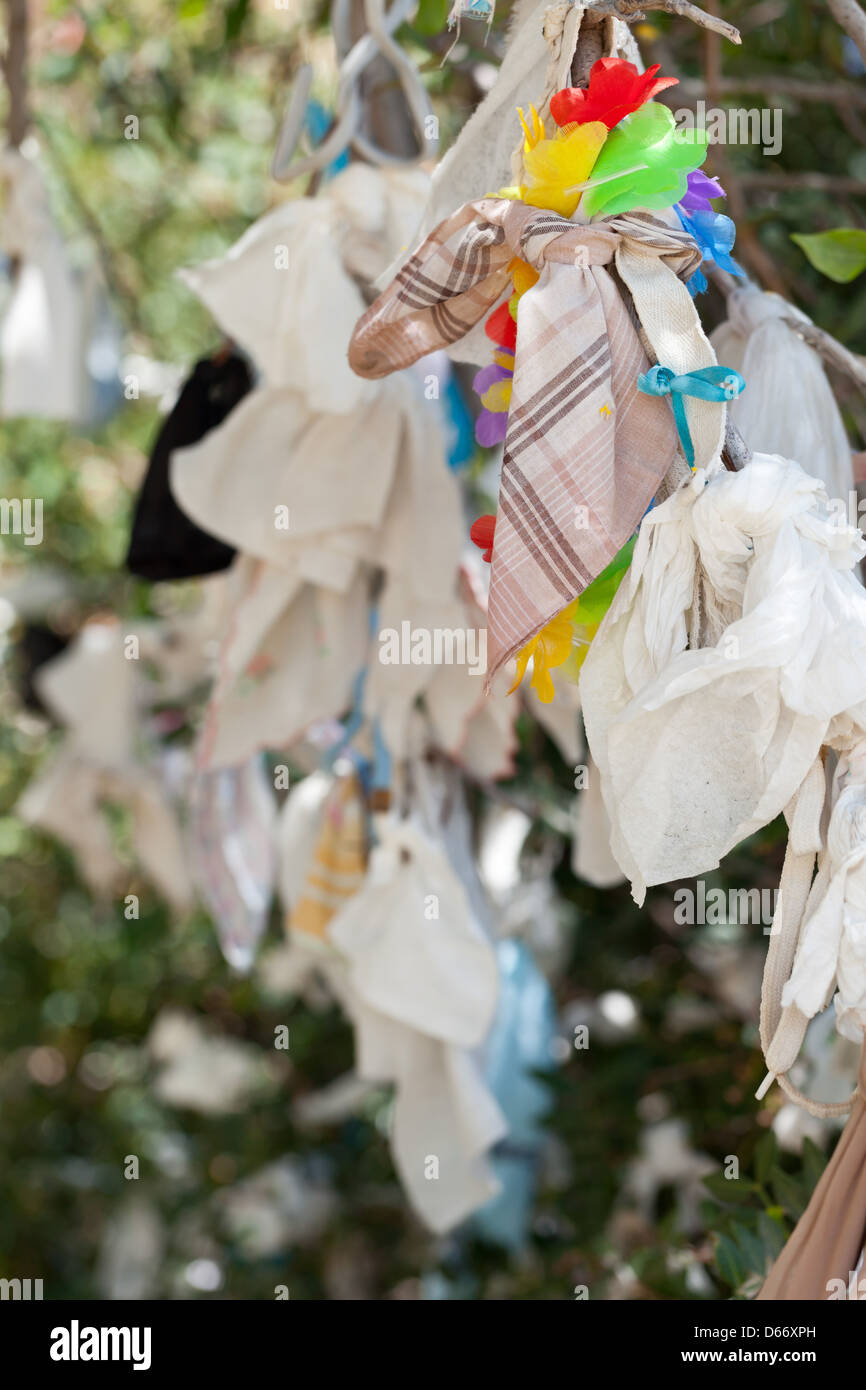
80,985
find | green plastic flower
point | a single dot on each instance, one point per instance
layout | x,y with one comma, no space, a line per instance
644,162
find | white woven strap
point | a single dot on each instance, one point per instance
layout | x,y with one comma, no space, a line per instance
783,1030
672,326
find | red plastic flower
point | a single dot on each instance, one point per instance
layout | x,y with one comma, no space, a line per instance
481,533
501,328
616,88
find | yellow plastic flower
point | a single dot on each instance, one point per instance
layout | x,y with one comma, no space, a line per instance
533,129
554,169
505,359
523,275
549,648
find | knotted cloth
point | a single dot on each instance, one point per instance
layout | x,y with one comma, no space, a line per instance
584,451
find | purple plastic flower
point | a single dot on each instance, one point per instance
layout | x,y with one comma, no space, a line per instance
491,425
490,428
488,376
701,188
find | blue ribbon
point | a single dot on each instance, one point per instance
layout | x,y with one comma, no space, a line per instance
708,384
374,772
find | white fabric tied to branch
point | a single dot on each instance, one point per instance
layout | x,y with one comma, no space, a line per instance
43,333
96,693
540,50
779,367
318,478
421,987
832,945
699,746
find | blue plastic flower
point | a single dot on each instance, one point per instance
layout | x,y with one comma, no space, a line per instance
697,284
714,234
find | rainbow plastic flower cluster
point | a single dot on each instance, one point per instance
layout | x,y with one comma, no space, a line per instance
613,149
713,231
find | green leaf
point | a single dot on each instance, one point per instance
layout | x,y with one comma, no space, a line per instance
730,1190
729,1262
839,254
773,1235
645,162
236,16
788,1194
752,1247
766,1155
432,17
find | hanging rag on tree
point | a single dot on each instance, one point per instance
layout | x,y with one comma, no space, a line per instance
584,414
760,339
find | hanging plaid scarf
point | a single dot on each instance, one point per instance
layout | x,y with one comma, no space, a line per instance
585,451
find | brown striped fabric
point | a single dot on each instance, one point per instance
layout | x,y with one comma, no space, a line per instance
585,450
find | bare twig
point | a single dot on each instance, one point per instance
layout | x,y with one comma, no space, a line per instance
690,90
556,816
830,348
735,451
590,47
15,70
749,243
849,15
124,292
632,11
788,181
852,121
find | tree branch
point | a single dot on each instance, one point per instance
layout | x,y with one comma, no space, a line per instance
848,14
810,180
633,11
836,93
830,348
15,70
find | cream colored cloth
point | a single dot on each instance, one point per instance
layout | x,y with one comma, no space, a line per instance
818,942
290,656
591,855
413,969
319,482
299,489
537,63
422,987
285,291
93,688
202,1071
779,367
47,322
700,746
